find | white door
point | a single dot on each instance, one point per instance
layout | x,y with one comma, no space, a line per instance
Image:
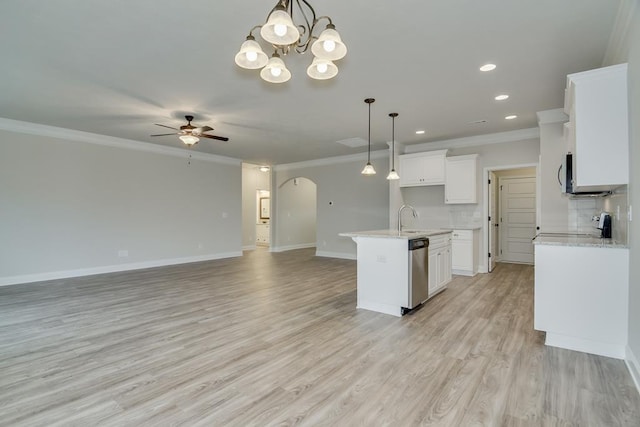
493,220
517,219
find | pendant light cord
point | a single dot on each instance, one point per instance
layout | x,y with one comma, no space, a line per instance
369,146
393,139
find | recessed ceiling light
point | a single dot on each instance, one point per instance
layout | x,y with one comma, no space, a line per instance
511,117
264,168
419,132
488,67
501,97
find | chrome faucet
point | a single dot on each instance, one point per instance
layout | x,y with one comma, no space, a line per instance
413,212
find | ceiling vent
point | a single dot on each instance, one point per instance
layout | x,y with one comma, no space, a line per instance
353,142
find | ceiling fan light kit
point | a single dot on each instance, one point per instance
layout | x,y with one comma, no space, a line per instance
285,35
190,134
189,139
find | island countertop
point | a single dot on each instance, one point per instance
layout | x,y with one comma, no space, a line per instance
393,234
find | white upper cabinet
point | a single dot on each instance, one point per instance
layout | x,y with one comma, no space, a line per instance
422,168
598,129
460,179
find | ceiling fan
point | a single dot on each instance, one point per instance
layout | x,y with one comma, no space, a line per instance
190,134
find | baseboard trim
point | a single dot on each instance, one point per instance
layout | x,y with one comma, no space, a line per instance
292,247
634,367
463,273
65,274
616,351
341,255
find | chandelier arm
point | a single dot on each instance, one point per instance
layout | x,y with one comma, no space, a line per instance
253,29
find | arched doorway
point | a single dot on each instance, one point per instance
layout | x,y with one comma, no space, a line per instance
297,215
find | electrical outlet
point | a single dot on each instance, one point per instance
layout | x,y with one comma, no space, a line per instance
381,258
123,253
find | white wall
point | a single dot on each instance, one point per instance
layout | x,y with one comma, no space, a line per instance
252,180
553,205
634,189
69,207
346,200
296,219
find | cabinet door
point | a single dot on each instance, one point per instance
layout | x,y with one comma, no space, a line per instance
411,171
433,271
422,168
599,127
446,266
434,170
462,255
460,180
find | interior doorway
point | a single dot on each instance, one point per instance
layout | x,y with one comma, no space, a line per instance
296,220
263,217
256,206
511,207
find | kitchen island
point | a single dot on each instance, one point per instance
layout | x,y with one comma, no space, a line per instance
385,267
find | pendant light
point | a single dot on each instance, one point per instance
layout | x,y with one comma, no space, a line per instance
368,169
392,173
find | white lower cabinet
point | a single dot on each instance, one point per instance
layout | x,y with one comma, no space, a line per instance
464,252
439,262
581,298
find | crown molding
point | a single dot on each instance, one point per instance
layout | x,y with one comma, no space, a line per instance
109,141
552,116
471,141
380,154
618,47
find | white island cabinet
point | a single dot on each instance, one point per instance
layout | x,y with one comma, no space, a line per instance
384,267
581,294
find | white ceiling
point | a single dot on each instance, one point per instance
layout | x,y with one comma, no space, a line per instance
116,68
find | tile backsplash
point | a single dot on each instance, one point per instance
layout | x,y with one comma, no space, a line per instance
583,211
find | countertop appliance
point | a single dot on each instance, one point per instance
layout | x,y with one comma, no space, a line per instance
604,225
418,273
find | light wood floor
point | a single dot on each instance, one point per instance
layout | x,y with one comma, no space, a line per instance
275,339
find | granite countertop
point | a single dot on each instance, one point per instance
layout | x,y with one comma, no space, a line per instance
462,227
393,234
582,240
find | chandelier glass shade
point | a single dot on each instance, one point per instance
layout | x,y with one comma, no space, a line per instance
285,35
275,71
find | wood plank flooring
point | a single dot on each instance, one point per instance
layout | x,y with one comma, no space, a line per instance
275,339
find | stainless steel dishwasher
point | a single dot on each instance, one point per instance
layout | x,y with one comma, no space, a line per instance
418,272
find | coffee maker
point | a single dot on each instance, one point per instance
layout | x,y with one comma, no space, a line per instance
604,225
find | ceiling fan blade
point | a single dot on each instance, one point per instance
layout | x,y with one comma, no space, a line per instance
165,134
205,128
165,126
219,138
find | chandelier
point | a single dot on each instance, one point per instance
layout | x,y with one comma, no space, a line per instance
289,27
